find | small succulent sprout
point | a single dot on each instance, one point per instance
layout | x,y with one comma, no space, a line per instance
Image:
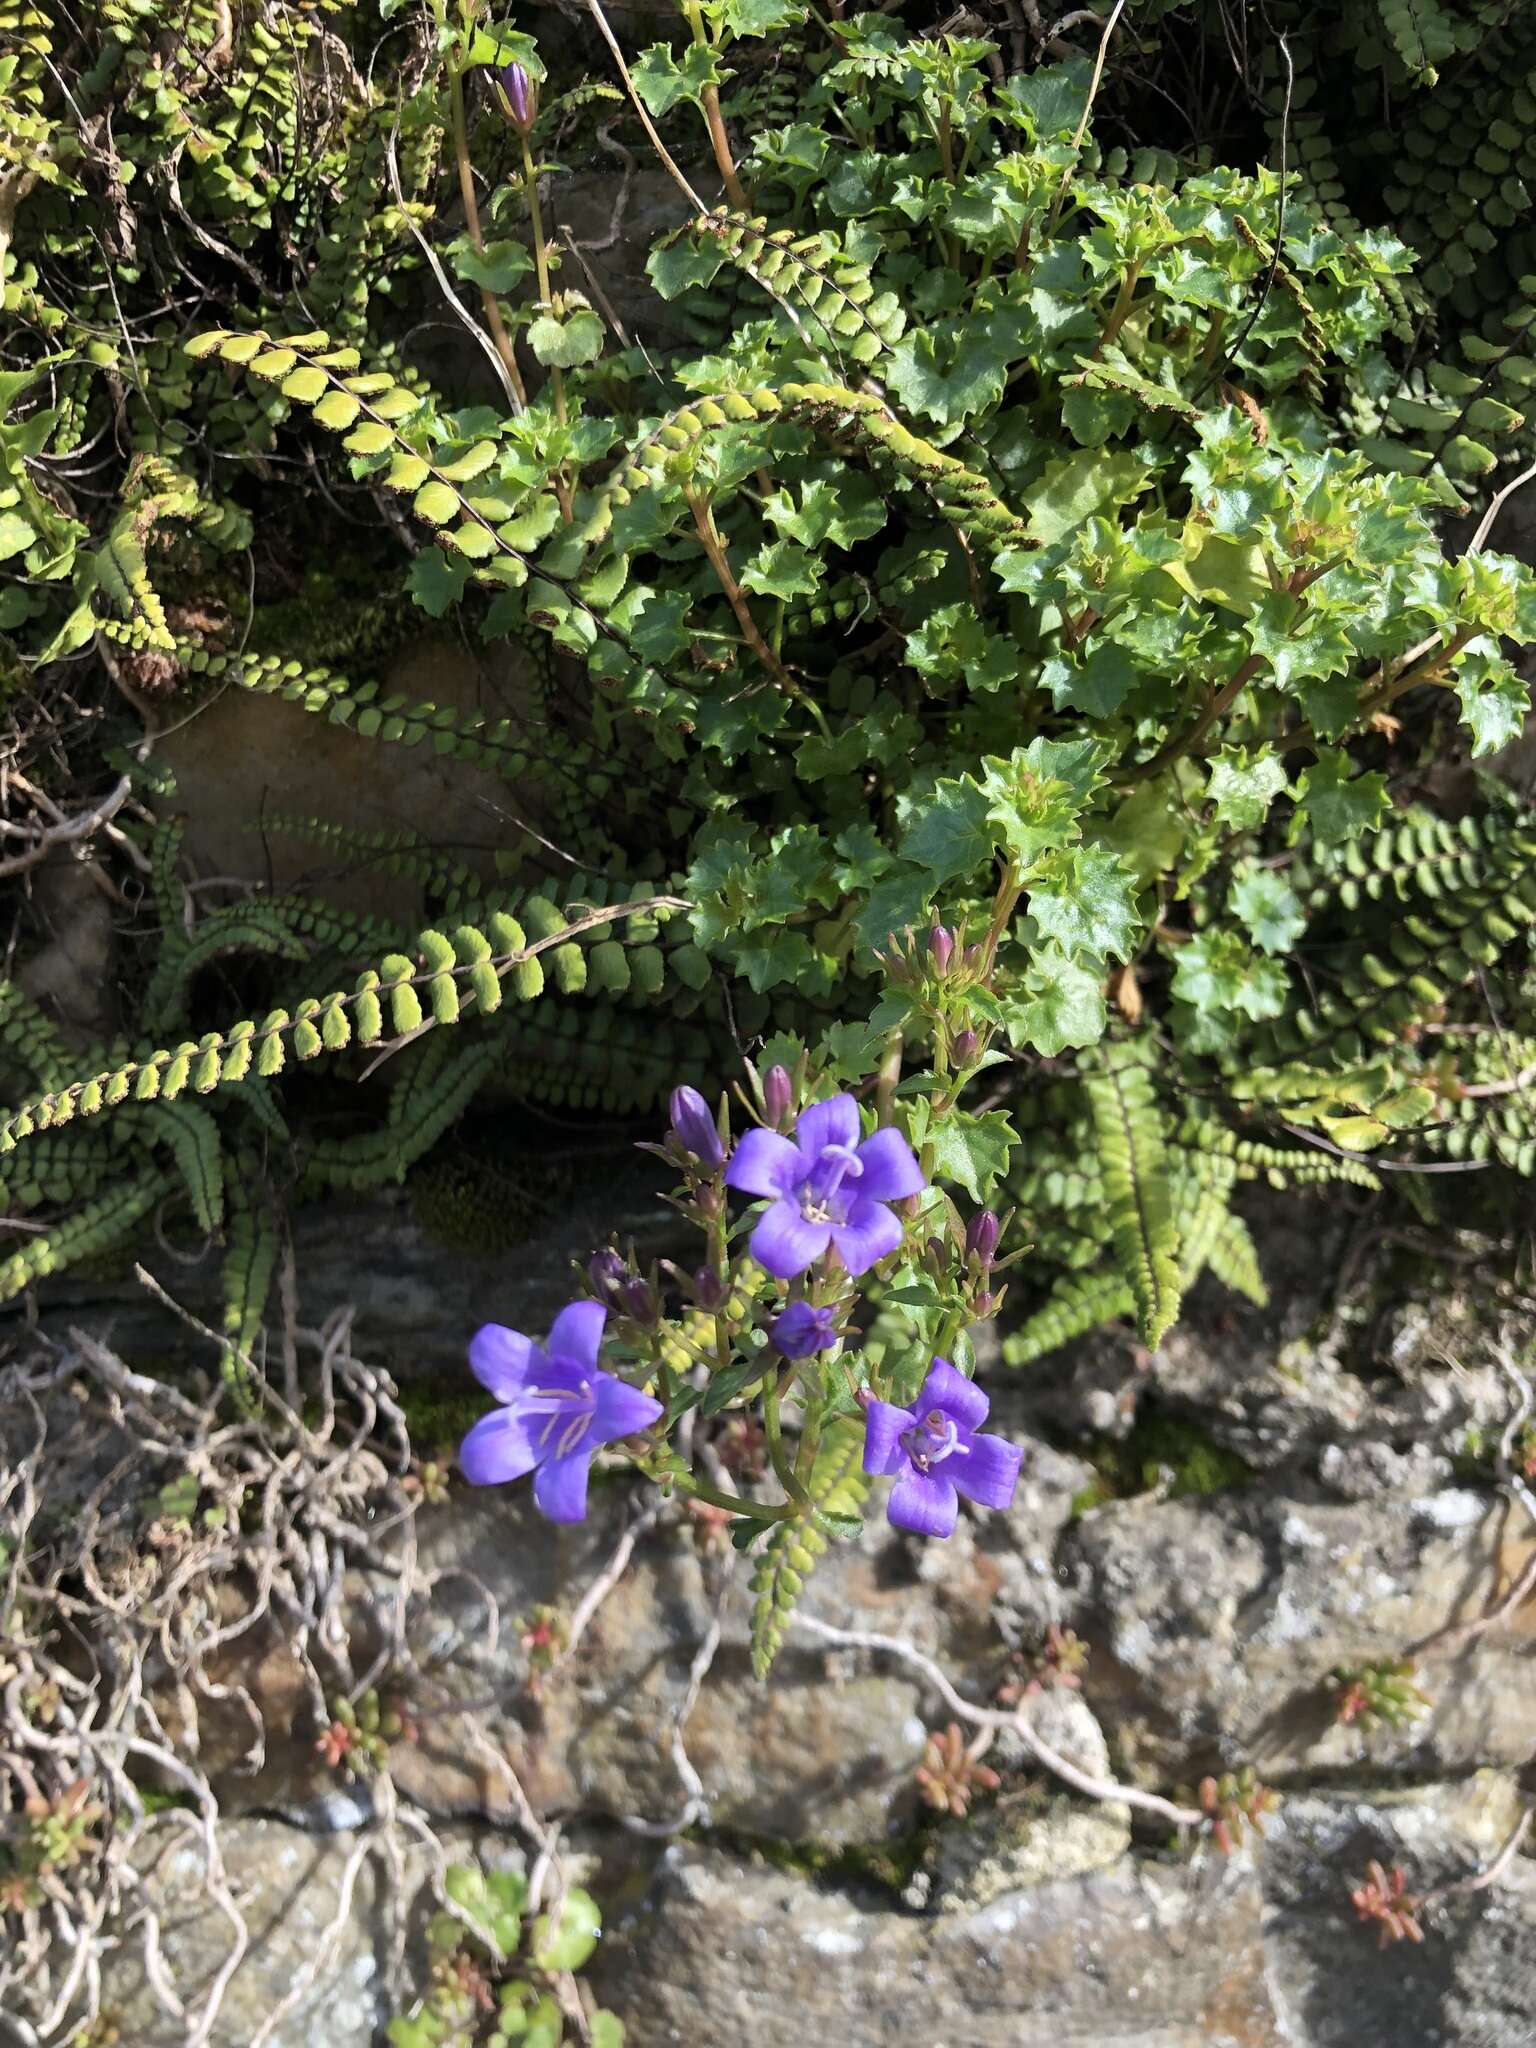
1384,1901
1379,1695
1234,1803
950,1774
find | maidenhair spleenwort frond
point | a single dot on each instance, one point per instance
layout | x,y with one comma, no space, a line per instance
1134,1161
838,1486
962,496
99,1225
469,969
814,270
251,1247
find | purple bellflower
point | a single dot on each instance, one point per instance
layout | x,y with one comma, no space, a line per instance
557,1409
933,1452
826,1188
803,1329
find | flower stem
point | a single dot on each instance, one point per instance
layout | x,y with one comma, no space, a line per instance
738,1504
541,266
488,299
784,1471
719,141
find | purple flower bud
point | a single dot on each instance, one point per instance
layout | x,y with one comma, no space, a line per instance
803,1329
519,96
984,1304
639,1301
941,948
694,1127
981,1237
606,1271
710,1291
964,1047
778,1095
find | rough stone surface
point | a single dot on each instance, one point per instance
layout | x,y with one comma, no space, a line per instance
1216,1624
288,1887
1136,1956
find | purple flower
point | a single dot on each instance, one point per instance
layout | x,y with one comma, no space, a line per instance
518,95
826,1189
803,1329
558,1408
934,1454
694,1127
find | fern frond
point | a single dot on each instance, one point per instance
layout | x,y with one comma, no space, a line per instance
97,1226
837,1485
1134,1162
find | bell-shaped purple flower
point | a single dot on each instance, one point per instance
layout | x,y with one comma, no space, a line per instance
557,1410
934,1453
803,1329
827,1188
694,1127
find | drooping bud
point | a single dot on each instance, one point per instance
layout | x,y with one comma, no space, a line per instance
963,1047
710,1291
639,1301
981,1237
519,96
606,1272
941,948
778,1096
694,1127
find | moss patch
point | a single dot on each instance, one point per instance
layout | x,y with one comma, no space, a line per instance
1159,1444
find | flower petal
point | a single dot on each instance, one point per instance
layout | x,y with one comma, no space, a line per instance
871,1231
576,1333
924,1502
784,1244
883,1429
620,1410
985,1468
889,1168
560,1486
500,1359
960,1399
835,1122
765,1164
496,1450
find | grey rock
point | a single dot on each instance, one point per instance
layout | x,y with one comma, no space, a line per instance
1472,1983
1216,1624
288,1886
1139,1956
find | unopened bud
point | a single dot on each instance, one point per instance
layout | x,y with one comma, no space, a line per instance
606,1271
778,1096
981,1237
963,1047
694,1127
709,1289
519,96
639,1301
984,1304
941,948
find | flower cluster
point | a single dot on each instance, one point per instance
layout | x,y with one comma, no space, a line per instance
760,1326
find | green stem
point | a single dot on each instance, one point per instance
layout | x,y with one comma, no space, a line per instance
773,1429
738,1504
488,300
546,298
